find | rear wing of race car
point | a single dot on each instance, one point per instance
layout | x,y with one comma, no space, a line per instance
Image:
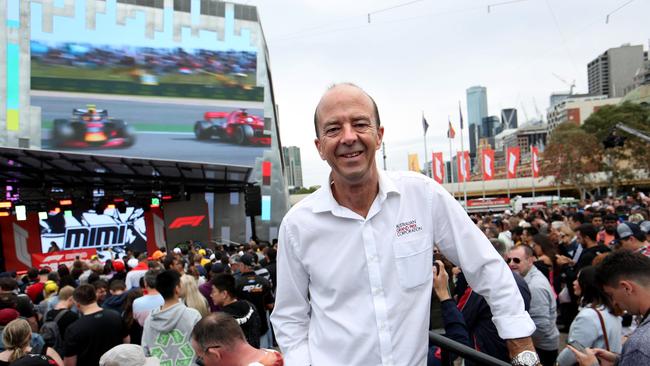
81,111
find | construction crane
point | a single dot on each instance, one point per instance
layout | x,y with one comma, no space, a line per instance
614,140
571,85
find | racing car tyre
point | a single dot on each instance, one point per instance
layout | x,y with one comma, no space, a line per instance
202,130
59,137
243,134
126,132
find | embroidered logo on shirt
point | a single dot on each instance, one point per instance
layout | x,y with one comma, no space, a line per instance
408,227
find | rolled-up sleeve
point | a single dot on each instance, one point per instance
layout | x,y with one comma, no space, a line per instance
487,273
291,314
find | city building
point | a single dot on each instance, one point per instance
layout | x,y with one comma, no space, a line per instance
508,118
489,125
612,73
292,166
476,111
576,108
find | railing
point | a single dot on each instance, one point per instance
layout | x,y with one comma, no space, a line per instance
468,353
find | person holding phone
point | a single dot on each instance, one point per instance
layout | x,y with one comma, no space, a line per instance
625,278
596,325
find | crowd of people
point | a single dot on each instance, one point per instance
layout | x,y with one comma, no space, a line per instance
141,309
568,263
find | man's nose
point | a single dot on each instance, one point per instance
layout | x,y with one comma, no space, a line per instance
349,135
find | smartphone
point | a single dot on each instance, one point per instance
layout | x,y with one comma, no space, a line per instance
437,265
577,346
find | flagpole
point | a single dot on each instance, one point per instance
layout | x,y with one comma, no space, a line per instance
508,171
426,171
462,149
451,166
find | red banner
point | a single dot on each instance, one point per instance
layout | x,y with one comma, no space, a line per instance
534,161
438,167
55,259
462,160
488,164
512,160
488,202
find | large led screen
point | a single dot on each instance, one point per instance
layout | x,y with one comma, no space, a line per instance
150,82
106,230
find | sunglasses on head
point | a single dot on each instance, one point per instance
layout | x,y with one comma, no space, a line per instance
516,260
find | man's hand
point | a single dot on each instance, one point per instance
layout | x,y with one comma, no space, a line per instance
518,345
591,357
563,260
441,282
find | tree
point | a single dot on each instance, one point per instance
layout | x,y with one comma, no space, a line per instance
620,162
571,156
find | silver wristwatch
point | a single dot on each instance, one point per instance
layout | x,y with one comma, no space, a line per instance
525,358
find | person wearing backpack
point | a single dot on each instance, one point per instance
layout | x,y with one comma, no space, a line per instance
57,320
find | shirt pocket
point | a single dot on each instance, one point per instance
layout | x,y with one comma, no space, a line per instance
413,258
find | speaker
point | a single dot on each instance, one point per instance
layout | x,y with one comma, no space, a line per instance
253,200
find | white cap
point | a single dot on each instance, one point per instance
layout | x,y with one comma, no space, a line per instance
127,355
177,250
132,262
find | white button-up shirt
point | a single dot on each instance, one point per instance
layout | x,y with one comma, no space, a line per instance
357,291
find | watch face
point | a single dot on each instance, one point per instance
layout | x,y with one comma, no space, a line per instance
526,358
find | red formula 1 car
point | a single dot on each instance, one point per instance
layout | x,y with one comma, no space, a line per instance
91,127
237,126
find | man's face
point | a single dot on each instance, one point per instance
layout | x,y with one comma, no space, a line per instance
348,133
218,297
518,261
597,222
610,226
621,297
100,292
178,266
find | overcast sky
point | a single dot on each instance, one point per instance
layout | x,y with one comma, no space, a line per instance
423,56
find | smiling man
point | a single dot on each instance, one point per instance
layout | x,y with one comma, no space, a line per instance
355,258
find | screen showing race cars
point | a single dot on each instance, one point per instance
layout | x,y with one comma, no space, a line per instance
106,230
147,80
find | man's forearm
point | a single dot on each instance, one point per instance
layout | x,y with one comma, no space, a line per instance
518,345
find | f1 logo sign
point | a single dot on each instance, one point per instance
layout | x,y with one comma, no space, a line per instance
192,221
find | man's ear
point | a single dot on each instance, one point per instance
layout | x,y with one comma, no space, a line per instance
215,352
628,286
320,153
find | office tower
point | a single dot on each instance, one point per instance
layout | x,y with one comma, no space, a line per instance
292,165
509,118
612,72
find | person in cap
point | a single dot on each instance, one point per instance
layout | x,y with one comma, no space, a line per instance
219,341
224,295
365,240
157,255
127,355
631,237
16,338
625,278
257,290
136,273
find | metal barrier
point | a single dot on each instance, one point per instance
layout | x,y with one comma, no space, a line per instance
463,351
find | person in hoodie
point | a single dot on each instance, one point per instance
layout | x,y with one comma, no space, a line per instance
166,333
224,295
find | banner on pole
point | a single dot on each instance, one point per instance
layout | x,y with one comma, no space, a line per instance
438,167
512,159
462,160
534,161
488,164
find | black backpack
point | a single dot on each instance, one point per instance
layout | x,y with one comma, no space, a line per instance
52,334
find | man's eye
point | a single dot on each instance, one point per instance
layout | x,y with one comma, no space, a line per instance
331,130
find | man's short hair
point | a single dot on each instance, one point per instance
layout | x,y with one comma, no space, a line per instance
8,284
32,273
499,246
150,278
272,254
527,250
588,230
84,294
166,283
218,329
374,106
117,285
100,284
225,282
578,217
65,293
624,265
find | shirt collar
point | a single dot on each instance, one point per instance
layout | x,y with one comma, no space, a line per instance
325,200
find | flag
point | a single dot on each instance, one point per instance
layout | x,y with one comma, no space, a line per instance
414,163
451,133
512,159
425,125
460,112
488,164
438,167
534,161
462,160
